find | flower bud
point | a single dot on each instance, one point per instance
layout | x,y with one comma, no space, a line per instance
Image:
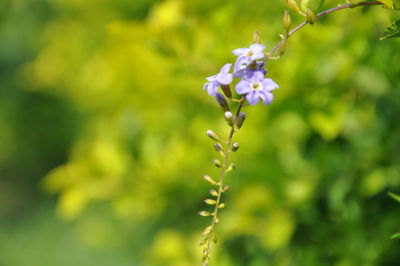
212,135
222,102
226,188
311,18
293,5
210,180
210,201
221,206
213,192
231,167
240,119
229,118
256,37
235,146
207,230
205,213
202,242
217,163
226,89
287,21
219,149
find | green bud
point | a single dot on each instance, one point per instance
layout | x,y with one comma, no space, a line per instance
311,18
205,213
217,163
354,2
212,135
226,89
235,146
293,5
256,37
240,119
226,188
215,239
229,118
205,259
221,206
202,242
287,21
219,149
210,180
222,102
210,201
206,255
231,167
213,192
207,230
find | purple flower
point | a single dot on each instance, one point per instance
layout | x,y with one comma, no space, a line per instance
248,55
247,72
257,87
222,78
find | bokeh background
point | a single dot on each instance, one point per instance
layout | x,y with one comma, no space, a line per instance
103,146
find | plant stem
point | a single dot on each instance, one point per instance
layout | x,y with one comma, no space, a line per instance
225,163
323,13
224,167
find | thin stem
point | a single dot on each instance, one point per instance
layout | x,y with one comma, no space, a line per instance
222,177
225,164
323,13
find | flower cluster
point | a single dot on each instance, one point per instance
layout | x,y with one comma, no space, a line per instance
253,84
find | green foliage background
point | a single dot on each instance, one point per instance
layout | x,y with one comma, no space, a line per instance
103,146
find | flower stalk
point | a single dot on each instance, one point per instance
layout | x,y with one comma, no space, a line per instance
209,233
253,87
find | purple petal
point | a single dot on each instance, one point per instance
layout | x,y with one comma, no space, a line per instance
225,69
240,73
257,47
211,78
257,55
224,78
243,87
211,88
257,76
240,51
269,84
253,97
249,73
266,96
205,86
242,60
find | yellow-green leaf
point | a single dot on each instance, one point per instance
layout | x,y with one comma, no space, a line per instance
397,235
393,4
387,3
393,31
396,197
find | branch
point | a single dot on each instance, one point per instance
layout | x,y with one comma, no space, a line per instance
323,13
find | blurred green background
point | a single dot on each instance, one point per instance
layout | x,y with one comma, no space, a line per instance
103,146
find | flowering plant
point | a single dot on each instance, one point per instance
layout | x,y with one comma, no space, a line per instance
251,87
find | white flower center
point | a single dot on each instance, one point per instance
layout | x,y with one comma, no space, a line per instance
249,53
256,86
